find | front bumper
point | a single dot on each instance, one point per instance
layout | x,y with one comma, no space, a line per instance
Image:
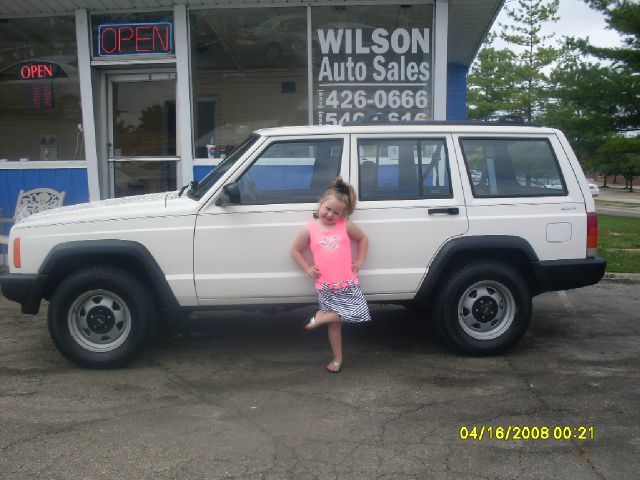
568,274
26,289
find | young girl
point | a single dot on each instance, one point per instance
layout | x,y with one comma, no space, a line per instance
329,239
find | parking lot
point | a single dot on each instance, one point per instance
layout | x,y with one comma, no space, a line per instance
245,395
618,201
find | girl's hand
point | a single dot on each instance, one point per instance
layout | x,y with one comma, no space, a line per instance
313,271
363,244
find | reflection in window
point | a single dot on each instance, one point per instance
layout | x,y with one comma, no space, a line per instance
512,167
144,118
403,169
223,167
249,71
40,113
291,172
136,178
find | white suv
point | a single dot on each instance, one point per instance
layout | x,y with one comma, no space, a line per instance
471,220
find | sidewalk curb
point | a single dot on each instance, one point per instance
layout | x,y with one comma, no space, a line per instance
628,278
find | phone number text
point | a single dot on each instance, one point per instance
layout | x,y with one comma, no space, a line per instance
380,99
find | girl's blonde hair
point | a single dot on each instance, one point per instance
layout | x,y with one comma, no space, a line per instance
343,192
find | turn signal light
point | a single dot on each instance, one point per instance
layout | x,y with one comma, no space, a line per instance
592,234
17,260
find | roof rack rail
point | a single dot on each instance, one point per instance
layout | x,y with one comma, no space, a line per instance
501,121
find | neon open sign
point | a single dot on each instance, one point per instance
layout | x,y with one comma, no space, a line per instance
37,71
135,39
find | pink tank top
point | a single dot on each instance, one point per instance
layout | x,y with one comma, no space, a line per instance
331,251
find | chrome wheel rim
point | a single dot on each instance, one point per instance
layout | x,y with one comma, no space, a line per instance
99,321
486,310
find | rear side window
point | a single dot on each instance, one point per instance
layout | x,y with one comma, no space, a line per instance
291,172
512,167
396,169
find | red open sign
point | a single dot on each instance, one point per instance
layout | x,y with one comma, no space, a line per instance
34,71
135,39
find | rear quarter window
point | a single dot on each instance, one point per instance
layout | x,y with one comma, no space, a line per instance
512,167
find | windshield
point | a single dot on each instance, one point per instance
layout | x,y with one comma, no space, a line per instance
214,175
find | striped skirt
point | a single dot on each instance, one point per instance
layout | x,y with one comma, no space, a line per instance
348,302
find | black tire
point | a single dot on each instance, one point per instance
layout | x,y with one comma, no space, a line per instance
100,317
483,308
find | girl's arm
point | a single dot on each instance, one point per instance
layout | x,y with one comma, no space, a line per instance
300,243
363,244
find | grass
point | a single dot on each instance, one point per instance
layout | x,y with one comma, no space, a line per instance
619,243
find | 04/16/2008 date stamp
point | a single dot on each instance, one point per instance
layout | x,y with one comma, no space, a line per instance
526,432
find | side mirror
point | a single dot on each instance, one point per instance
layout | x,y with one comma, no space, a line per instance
231,195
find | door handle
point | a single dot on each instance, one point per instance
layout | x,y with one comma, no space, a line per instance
446,211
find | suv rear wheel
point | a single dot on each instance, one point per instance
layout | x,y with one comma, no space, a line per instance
100,317
484,308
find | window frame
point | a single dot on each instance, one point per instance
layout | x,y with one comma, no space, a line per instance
342,139
564,192
417,138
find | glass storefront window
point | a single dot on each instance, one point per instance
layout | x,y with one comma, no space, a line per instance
40,113
249,71
143,133
144,119
372,63
136,178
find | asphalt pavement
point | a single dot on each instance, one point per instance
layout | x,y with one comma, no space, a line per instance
617,201
236,395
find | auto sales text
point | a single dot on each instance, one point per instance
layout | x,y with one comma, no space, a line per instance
406,46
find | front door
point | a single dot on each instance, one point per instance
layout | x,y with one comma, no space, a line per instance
142,133
242,251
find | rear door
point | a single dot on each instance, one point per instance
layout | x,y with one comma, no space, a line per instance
410,204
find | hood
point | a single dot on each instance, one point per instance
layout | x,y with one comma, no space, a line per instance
139,206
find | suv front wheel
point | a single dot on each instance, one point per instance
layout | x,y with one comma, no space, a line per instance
100,317
484,308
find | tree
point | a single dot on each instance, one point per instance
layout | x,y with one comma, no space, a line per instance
491,82
524,31
583,103
513,81
624,17
597,104
590,93
625,153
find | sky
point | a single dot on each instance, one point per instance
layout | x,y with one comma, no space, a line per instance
576,20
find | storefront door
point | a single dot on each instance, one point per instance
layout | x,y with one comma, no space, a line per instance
141,144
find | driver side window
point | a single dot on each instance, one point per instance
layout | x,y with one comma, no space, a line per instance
291,172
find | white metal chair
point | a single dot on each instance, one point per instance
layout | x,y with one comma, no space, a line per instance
28,203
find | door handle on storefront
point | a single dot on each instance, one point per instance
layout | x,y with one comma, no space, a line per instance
445,211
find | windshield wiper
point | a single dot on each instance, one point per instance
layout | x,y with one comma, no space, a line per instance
194,186
191,186
183,189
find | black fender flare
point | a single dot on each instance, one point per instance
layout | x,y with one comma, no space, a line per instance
104,251
495,245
